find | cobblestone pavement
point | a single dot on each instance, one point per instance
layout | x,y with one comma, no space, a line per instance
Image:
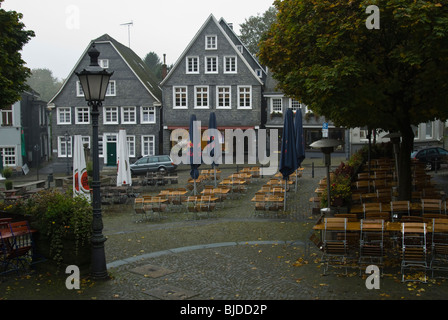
230,256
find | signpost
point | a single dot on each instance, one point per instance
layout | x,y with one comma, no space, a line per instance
325,130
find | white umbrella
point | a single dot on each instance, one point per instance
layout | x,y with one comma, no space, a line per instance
123,170
80,177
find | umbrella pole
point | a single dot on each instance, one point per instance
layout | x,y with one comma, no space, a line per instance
194,188
284,205
296,181
215,176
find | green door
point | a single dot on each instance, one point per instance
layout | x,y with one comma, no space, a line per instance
111,154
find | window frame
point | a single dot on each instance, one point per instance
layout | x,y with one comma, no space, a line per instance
193,70
105,112
79,112
9,156
151,152
142,114
244,107
272,105
131,111
175,106
67,151
214,65
196,93
229,94
67,111
211,46
235,64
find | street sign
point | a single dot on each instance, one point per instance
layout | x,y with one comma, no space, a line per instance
325,130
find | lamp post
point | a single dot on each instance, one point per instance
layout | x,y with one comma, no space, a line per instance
94,81
327,147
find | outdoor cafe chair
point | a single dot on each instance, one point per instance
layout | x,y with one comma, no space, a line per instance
431,206
399,208
334,243
371,207
439,246
17,248
371,244
413,249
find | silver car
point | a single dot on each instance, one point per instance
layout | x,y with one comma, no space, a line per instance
161,163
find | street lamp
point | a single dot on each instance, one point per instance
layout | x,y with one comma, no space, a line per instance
327,147
94,81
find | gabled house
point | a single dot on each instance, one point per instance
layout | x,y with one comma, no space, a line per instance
24,133
133,102
215,73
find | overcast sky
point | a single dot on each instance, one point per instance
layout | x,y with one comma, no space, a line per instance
64,28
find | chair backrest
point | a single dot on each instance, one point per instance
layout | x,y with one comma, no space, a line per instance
335,223
413,227
440,226
372,207
432,205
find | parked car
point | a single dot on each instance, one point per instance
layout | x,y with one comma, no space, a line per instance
160,163
432,156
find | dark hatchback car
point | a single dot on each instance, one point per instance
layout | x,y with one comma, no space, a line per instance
433,156
161,163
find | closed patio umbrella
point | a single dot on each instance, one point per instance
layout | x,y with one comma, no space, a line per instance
212,125
195,161
288,161
300,141
80,177
123,168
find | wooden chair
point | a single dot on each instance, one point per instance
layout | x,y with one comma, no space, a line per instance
158,207
373,207
334,244
431,206
439,246
413,249
371,244
260,204
399,208
17,250
377,216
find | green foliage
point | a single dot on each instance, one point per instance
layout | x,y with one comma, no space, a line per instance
60,217
7,172
43,82
254,27
322,53
13,72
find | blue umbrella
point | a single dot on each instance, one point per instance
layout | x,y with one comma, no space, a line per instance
300,141
288,160
212,142
194,172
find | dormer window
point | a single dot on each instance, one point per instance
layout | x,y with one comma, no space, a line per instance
104,63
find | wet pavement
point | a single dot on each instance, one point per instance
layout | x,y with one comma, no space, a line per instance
232,256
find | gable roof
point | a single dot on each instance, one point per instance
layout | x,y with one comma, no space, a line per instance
134,62
211,18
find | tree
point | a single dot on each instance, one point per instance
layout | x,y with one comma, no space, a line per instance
253,28
42,81
13,73
322,53
152,60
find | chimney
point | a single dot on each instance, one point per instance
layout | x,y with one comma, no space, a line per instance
164,67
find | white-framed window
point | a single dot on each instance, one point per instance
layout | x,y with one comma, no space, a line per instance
111,89
7,116
86,141
100,146
180,98
211,42
64,115
148,145
9,156
147,114
192,65
240,48
79,91
230,64
259,73
295,105
64,147
128,115
82,115
223,97
130,140
211,64
276,105
244,97
104,63
110,115
201,97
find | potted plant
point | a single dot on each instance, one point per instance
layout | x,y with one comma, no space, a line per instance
7,173
64,225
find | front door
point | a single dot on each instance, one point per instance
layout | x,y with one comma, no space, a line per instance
111,154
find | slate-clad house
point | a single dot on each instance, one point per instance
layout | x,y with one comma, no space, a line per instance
214,73
133,102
